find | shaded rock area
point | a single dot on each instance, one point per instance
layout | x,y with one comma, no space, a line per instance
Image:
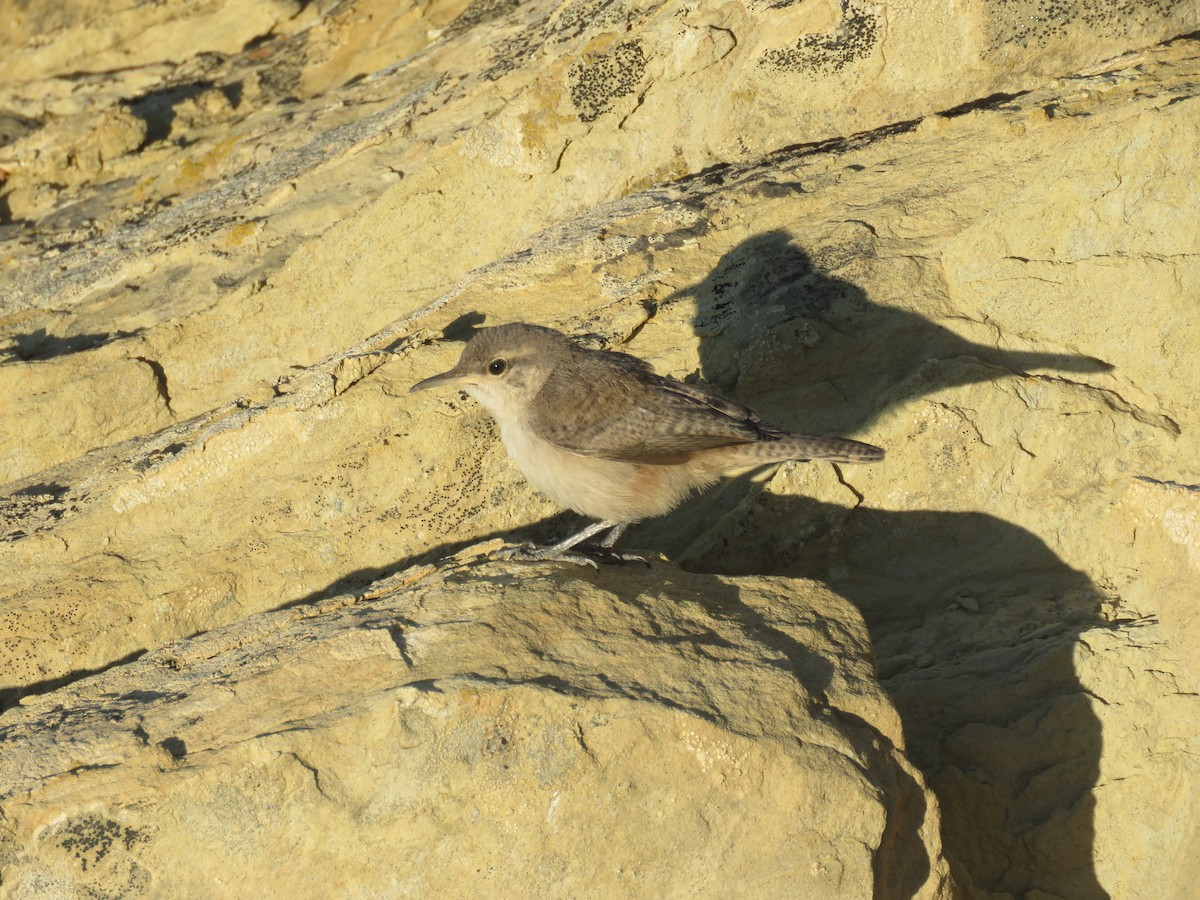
240,607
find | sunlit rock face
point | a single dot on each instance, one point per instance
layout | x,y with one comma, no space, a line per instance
233,235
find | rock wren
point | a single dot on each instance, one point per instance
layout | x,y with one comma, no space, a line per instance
600,433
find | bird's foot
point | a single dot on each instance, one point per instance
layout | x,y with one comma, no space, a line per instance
581,556
532,553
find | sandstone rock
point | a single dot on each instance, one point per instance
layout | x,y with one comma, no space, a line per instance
968,236
483,730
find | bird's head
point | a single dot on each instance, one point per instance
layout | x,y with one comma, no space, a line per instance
504,367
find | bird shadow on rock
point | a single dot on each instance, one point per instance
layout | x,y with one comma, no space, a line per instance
975,620
784,330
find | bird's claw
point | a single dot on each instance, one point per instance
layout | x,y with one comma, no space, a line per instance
619,556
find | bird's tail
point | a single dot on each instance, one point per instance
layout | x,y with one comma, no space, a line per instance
802,447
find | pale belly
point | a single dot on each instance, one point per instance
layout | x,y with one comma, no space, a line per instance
606,489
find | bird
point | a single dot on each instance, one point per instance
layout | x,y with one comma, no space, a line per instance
600,433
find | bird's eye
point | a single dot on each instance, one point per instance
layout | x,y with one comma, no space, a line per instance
497,366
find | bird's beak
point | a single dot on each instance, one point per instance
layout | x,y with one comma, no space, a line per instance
453,378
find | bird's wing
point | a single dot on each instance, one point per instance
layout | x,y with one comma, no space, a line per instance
613,406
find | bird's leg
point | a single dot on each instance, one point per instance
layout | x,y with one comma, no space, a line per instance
560,552
581,536
615,535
